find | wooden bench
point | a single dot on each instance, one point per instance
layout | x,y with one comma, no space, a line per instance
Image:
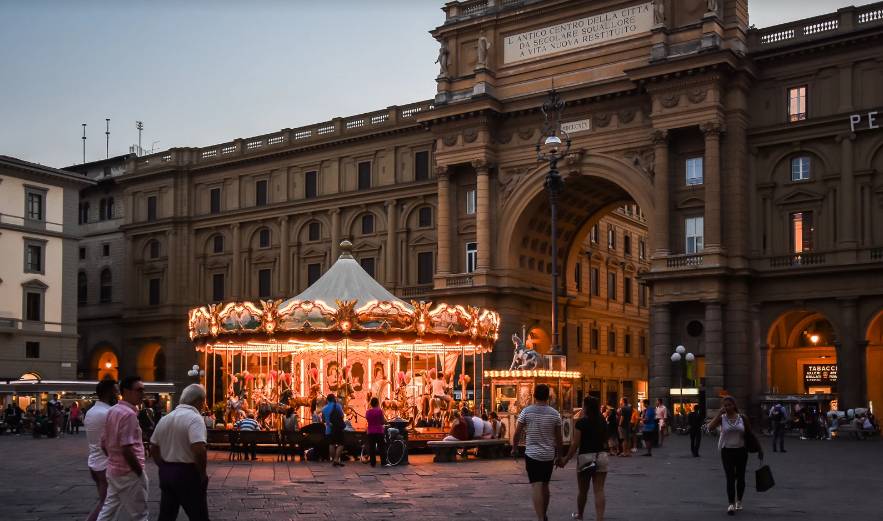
446,451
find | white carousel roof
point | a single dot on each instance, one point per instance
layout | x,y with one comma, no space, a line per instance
346,280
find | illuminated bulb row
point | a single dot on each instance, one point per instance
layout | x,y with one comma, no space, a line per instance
536,373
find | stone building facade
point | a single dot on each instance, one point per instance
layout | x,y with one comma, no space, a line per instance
740,146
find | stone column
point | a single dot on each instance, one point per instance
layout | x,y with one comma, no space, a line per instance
661,350
714,355
846,233
284,257
171,257
391,246
443,229
712,181
335,236
850,358
236,286
661,241
483,215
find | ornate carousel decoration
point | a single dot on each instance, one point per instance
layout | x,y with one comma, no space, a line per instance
347,335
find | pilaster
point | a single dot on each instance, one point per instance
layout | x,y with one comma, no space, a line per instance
444,221
391,249
483,214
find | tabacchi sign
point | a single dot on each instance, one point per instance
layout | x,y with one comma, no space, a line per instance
577,34
820,374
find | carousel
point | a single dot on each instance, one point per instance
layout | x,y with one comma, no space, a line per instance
346,335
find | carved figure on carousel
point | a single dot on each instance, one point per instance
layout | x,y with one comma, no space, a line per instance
379,384
524,357
442,399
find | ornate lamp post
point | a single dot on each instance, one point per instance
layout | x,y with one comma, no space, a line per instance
552,148
195,371
676,357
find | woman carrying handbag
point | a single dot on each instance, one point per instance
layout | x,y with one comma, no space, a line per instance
590,445
736,441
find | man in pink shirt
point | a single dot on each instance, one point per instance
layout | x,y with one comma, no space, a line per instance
121,441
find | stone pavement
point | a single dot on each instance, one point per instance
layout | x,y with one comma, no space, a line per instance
47,479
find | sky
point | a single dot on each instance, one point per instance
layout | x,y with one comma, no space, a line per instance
199,72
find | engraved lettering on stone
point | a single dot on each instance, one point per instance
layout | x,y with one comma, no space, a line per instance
575,127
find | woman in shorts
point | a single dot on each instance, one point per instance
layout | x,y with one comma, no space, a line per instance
590,442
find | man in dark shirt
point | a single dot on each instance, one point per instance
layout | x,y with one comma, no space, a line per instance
694,422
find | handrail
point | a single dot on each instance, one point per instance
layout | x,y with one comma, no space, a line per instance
846,20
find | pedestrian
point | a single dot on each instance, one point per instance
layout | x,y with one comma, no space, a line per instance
108,392
694,422
778,419
649,427
542,425
734,427
334,426
376,421
76,417
661,419
179,449
613,440
590,442
249,424
624,417
121,441
498,426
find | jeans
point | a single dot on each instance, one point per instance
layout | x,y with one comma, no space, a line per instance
128,492
375,446
695,440
779,434
182,487
735,461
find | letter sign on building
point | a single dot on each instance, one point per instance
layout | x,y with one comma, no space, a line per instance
820,374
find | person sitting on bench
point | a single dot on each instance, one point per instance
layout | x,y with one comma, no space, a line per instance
459,430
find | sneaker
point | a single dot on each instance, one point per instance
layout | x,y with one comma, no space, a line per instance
731,510
738,505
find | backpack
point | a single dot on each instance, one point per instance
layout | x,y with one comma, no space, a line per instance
336,418
778,416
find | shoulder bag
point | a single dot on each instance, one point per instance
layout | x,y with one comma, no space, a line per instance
751,441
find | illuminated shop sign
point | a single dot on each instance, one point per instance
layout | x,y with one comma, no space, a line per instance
820,374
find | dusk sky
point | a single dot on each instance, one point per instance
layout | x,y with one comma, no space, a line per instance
201,72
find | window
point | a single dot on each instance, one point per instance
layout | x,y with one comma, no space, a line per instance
260,193
82,289
578,277
611,237
694,231
627,347
34,198
105,250
627,244
424,267
368,265
108,210
579,338
595,282
313,231
801,232
215,200
151,208
364,175
314,271
311,184
264,284
102,209
218,244
153,292
84,213
34,256
217,287
611,341
34,306
593,235
471,256
32,349
642,345
367,224
694,171
424,217
800,168
642,249
153,249
642,295
264,238
595,340
106,286
797,103
421,166
627,290
611,286
471,201
82,253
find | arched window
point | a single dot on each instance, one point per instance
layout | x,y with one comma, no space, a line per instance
82,288
367,224
264,238
154,249
218,244
106,291
109,209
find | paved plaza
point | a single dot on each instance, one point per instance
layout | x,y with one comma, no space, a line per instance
47,479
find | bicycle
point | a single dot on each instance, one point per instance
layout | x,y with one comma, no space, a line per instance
394,448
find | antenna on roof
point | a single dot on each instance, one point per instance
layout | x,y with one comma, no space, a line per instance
107,136
140,126
84,143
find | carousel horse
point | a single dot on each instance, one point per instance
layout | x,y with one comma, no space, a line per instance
524,357
233,409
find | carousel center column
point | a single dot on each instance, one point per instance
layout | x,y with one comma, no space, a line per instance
237,263
444,221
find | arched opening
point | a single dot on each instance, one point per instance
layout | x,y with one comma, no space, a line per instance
802,354
874,363
104,363
152,363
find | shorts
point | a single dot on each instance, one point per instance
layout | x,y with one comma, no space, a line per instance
538,471
625,433
335,438
601,460
650,436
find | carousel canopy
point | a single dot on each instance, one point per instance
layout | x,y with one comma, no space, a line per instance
345,306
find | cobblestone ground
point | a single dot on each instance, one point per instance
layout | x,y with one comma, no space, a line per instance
47,479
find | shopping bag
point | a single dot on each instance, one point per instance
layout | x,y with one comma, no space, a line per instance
763,479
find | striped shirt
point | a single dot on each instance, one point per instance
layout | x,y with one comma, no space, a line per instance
539,423
248,424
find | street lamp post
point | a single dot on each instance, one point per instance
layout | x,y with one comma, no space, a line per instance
552,148
676,357
195,372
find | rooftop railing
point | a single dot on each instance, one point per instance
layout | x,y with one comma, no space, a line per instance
338,127
463,9
846,20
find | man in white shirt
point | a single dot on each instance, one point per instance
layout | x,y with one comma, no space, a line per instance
179,448
108,392
662,419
